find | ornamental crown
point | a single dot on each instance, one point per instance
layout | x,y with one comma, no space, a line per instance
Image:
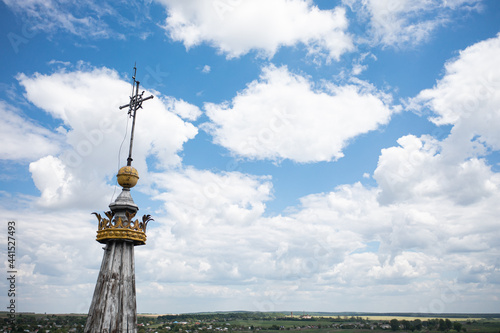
115,227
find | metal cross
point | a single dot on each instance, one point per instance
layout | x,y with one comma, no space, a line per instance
135,103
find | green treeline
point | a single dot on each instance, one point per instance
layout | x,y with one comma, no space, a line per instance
256,322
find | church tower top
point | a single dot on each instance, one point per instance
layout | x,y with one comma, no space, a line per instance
119,223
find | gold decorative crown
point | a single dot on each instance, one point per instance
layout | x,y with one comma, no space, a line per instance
114,227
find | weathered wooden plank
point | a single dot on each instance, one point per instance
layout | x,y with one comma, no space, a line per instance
113,307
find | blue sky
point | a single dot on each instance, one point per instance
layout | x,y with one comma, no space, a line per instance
298,155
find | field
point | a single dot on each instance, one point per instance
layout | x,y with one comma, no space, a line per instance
410,318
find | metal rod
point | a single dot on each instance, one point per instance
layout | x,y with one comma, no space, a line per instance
134,105
133,81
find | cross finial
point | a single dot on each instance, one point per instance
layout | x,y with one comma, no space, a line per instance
135,103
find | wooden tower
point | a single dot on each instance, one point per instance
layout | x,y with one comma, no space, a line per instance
113,308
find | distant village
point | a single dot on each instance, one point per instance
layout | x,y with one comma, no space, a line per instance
244,322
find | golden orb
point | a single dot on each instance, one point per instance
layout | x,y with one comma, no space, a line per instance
127,177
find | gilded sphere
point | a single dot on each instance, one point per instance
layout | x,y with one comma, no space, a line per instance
127,177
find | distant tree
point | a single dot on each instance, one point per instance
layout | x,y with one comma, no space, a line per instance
448,324
407,325
432,324
457,326
417,323
442,325
394,324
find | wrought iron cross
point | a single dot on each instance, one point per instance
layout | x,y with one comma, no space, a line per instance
135,103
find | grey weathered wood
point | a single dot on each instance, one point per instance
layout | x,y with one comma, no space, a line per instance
113,307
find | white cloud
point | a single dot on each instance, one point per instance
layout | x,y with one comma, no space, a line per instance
59,63
403,22
206,69
63,187
284,116
209,214
357,65
216,239
455,168
182,108
22,139
93,127
197,190
214,244
238,27
419,168
468,96
216,231
58,261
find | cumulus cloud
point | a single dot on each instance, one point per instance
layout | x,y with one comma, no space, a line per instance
419,169
216,239
214,243
62,186
446,190
86,103
216,230
206,69
399,23
182,108
198,190
468,96
206,212
238,27
58,261
286,116
23,139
